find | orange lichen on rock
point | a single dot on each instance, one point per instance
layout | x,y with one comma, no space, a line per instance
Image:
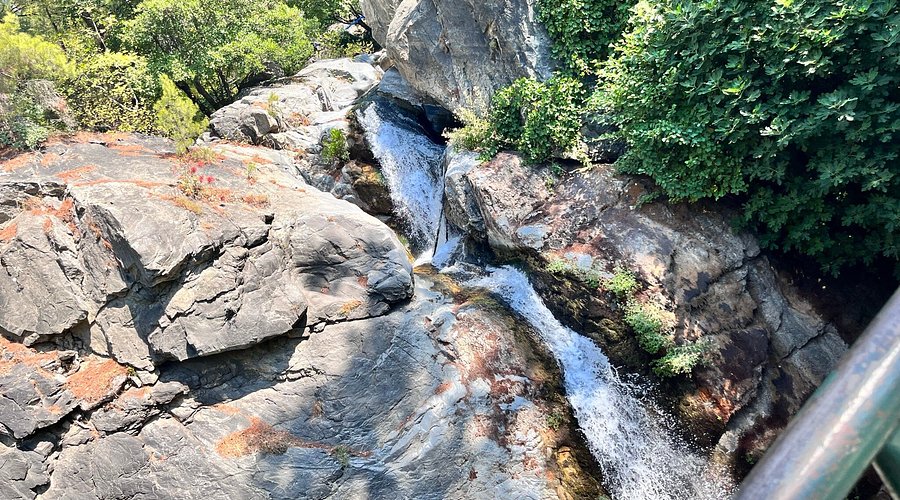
259,437
96,379
9,232
18,162
256,200
75,173
13,353
136,182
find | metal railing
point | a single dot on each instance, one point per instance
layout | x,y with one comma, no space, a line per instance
852,421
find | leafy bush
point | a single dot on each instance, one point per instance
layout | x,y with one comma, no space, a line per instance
582,30
474,135
26,118
212,48
113,91
623,283
334,146
793,105
337,43
176,117
538,119
680,360
648,324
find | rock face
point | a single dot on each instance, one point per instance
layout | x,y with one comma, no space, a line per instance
769,348
459,52
147,258
299,115
448,397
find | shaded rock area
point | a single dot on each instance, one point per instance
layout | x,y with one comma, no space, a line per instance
460,52
446,397
769,349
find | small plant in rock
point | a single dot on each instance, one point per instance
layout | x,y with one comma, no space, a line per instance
272,105
623,284
474,135
342,455
648,324
555,420
681,359
250,171
191,184
334,146
200,155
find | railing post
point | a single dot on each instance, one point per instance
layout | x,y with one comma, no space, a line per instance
842,427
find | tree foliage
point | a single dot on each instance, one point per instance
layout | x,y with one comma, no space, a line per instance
794,105
583,30
540,119
113,91
26,61
213,48
176,116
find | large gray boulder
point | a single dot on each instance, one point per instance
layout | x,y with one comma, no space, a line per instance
769,347
295,112
459,52
146,257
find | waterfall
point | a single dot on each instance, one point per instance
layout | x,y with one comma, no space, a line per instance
411,165
637,451
638,454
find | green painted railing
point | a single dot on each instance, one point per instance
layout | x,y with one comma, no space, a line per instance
852,421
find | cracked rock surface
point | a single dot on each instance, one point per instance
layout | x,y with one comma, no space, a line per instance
459,52
144,257
769,347
446,397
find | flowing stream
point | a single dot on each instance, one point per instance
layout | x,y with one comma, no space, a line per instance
637,450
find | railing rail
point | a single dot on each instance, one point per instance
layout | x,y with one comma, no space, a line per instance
851,421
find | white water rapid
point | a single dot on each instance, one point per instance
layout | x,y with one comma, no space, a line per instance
410,163
638,454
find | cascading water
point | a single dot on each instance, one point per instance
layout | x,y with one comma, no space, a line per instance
638,453
411,165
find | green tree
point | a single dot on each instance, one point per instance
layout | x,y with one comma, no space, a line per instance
327,12
113,91
213,48
793,105
176,116
25,62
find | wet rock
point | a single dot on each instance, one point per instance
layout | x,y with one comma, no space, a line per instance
762,333
460,52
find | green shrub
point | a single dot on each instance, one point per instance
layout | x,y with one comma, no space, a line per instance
623,284
113,91
793,105
26,119
680,360
177,117
334,146
213,48
648,324
582,30
538,119
24,57
474,135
